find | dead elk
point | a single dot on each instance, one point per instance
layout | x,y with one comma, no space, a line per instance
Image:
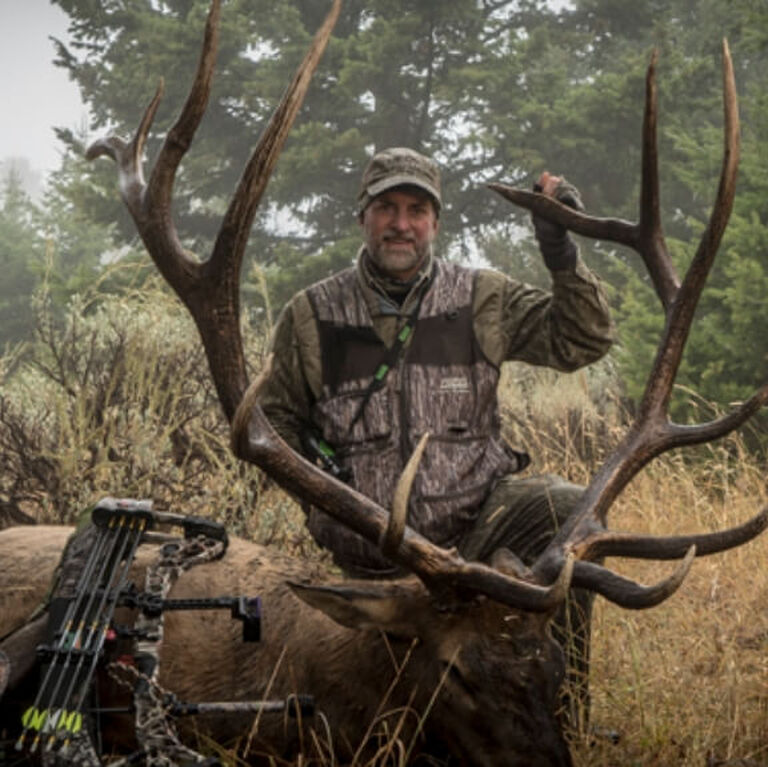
385,667
483,628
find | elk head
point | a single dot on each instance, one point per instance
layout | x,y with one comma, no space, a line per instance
523,603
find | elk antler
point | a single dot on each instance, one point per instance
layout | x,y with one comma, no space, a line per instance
398,518
652,433
210,290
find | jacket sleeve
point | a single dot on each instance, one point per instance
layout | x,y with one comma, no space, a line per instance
285,396
565,329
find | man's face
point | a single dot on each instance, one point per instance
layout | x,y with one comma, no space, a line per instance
399,227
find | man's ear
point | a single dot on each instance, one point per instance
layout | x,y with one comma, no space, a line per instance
391,606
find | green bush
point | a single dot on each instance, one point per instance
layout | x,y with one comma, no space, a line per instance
117,399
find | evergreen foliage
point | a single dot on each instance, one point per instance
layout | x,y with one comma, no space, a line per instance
21,256
493,89
114,396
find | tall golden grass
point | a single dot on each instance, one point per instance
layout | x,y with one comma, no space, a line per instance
116,401
684,683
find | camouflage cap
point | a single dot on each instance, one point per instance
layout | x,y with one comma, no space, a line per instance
399,166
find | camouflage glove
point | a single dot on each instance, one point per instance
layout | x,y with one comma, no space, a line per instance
557,247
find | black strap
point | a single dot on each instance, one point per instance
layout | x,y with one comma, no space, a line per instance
390,360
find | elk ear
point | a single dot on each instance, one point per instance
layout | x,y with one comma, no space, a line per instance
391,606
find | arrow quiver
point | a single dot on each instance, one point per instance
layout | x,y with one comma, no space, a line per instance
62,724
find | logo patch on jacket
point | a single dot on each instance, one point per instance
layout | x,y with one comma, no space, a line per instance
456,383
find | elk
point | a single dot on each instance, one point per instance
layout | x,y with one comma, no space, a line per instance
484,649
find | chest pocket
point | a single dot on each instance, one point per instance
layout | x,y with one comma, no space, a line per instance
442,401
454,402
337,413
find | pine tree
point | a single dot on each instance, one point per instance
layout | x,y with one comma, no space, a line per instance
21,260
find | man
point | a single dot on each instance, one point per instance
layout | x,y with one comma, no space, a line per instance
403,343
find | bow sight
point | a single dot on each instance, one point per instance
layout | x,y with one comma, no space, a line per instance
93,581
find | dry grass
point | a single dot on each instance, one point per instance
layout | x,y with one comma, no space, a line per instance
685,683
116,399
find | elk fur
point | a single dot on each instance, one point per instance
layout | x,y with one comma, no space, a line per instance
378,657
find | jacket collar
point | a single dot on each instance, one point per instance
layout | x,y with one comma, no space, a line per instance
384,295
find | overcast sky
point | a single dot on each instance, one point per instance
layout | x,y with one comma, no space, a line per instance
35,95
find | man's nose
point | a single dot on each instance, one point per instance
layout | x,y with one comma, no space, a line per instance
400,219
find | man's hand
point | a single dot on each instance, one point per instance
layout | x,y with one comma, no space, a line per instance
560,189
547,183
556,246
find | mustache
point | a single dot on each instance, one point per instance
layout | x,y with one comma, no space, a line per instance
392,235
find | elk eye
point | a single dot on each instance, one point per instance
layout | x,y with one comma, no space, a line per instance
452,673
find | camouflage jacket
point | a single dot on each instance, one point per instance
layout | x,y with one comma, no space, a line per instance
331,337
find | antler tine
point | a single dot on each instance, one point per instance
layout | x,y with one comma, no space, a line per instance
442,571
609,543
650,244
726,192
128,156
650,214
179,137
609,229
682,434
222,270
155,222
232,238
140,137
239,428
681,313
645,236
398,517
628,593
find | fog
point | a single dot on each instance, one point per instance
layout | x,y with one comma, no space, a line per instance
35,94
